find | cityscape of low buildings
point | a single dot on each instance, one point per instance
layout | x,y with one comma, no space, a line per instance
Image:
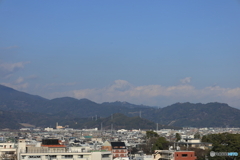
93,144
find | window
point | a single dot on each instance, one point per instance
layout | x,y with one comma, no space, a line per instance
51,156
9,152
34,156
80,156
67,156
184,155
105,155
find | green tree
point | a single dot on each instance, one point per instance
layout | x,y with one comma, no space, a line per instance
224,142
160,144
154,142
197,135
204,138
178,137
151,134
199,153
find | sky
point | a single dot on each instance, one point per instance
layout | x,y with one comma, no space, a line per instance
153,53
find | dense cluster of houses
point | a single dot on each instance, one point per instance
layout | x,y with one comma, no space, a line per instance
93,144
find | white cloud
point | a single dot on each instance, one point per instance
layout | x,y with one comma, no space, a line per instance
120,85
155,95
59,84
19,80
159,95
186,80
16,86
32,77
7,76
8,68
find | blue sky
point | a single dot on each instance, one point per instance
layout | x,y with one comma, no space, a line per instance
144,52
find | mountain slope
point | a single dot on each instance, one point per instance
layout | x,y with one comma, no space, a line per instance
199,115
66,109
11,99
14,119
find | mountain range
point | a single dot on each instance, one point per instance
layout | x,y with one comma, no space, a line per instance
18,107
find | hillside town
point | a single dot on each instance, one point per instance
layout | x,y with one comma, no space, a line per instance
61,143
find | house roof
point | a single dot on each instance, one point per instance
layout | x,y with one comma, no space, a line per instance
53,146
106,143
119,145
87,136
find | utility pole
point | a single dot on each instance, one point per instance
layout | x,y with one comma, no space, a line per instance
111,128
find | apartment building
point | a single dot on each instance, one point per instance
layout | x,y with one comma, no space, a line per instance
7,150
174,155
119,149
51,150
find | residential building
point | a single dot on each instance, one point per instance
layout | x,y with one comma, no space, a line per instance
119,149
174,155
7,150
106,146
52,150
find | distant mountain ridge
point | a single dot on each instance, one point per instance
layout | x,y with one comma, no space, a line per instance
67,108
11,99
200,115
17,119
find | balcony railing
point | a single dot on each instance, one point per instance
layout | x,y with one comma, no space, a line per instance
74,151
